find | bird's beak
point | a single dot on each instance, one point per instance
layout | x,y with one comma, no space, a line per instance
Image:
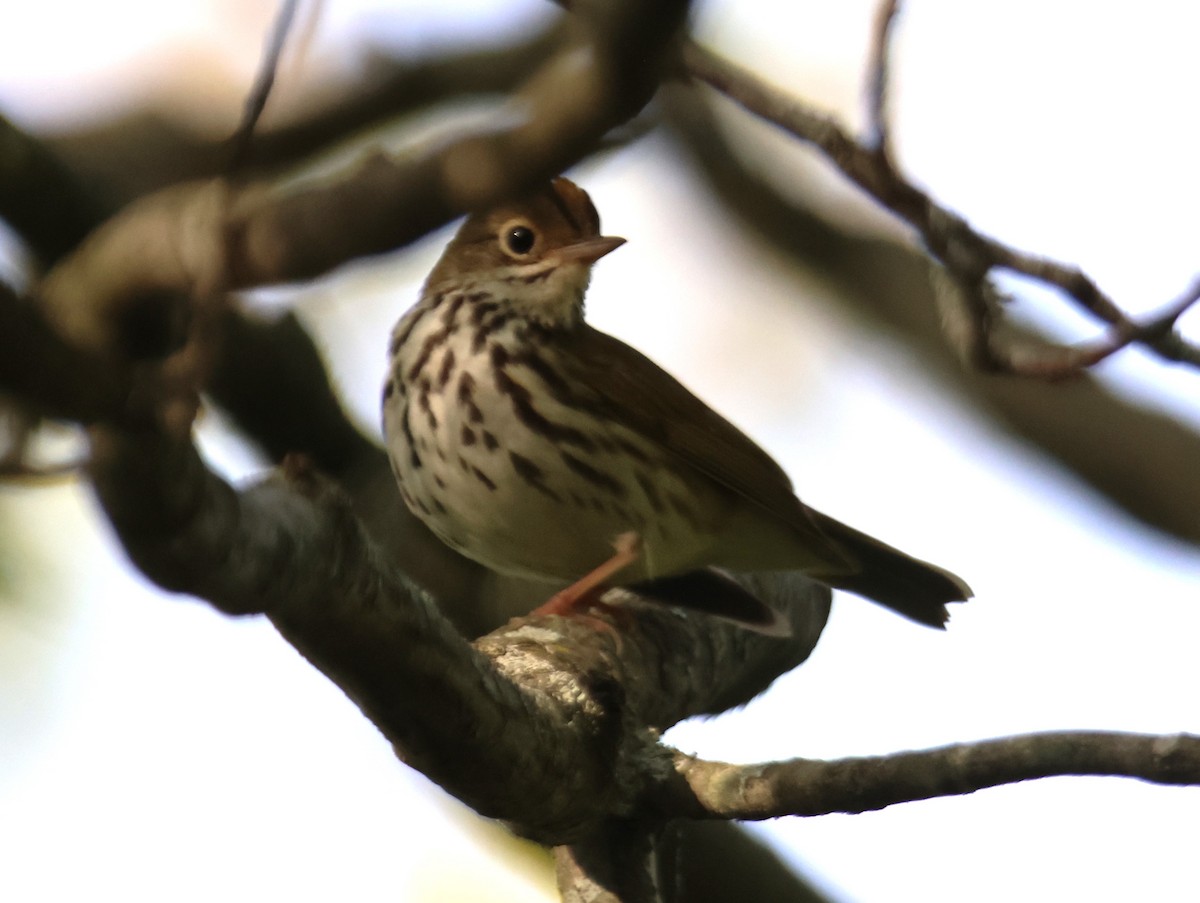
590,250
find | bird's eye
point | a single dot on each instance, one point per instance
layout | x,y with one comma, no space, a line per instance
518,240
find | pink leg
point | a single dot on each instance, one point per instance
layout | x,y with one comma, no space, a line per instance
584,592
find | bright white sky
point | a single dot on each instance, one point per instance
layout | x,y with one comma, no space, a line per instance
151,747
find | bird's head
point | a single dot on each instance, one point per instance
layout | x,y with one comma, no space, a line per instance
535,254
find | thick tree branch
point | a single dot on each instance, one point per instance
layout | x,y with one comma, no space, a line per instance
40,197
390,88
614,864
548,724
811,787
544,723
145,151
37,365
199,240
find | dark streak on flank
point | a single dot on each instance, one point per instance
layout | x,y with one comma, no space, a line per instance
483,478
466,397
446,370
423,389
406,428
489,441
432,343
467,437
522,402
487,329
389,389
531,474
409,323
452,310
548,375
540,332
593,475
481,310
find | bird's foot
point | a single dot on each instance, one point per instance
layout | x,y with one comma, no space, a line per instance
582,596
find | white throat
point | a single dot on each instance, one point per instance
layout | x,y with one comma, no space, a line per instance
548,291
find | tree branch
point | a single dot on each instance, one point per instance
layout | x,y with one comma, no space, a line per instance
43,200
548,723
615,864
1139,458
256,102
545,723
968,256
199,240
811,787
146,151
37,365
879,67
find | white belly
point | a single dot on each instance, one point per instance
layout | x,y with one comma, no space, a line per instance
540,494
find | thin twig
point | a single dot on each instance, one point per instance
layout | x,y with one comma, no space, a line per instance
256,102
1082,356
969,256
806,787
878,73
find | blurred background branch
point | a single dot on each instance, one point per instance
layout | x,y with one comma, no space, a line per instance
1136,456
271,378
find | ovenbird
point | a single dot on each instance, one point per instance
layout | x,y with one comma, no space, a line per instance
533,443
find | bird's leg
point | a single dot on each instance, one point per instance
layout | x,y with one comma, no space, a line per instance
585,592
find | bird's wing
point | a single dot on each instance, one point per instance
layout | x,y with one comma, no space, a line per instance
634,391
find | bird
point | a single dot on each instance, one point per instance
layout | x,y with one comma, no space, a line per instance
539,446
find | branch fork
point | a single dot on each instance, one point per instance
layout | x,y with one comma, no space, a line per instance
546,722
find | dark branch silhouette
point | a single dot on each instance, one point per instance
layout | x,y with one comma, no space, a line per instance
545,723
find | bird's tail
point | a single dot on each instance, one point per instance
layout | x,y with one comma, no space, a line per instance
715,593
916,589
